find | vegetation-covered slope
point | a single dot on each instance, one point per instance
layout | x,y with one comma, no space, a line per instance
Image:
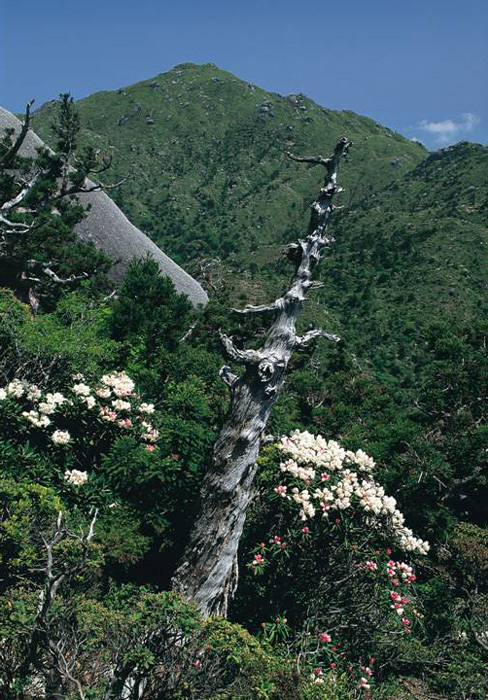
210,181
206,153
414,252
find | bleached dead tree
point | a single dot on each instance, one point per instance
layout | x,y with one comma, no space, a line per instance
207,573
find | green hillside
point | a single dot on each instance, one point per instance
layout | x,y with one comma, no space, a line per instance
209,181
206,157
414,252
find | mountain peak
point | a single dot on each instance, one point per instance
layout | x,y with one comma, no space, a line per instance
208,155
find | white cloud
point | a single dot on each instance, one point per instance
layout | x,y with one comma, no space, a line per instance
448,130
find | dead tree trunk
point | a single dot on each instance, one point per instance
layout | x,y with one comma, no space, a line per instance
207,573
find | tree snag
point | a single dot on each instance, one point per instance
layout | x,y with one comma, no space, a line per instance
207,573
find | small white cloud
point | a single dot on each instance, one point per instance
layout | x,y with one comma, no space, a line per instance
448,130
470,120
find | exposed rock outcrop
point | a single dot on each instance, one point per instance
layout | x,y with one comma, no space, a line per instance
109,229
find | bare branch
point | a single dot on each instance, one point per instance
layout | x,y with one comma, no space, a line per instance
13,150
188,333
228,376
44,269
15,226
64,668
91,530
115,185
80,189
11,204
312,285
314,160
305,340
244,357
260,309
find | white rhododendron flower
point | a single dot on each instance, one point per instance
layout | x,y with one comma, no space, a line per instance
33,393
119,382
16,389
103,393
315,461
47,408
56,398
125,423
81,390
151,435
146,408
34,417
108,415
90,401
120,405
61,437
75,477
3,394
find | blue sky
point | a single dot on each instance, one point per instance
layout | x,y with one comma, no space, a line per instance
418,67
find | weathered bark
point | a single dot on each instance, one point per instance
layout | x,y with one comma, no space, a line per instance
207,573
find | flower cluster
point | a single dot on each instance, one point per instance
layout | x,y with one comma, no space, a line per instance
277,546
120,384
61,437
75,477
40,410
338,479
371,566
114,401
364,684
399,577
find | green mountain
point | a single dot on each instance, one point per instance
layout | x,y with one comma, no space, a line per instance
209,181
205,154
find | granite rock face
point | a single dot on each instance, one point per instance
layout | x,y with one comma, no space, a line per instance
109,229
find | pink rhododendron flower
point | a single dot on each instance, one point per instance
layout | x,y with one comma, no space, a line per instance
371,565
281,491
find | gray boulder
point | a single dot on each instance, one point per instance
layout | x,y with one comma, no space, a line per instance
110,230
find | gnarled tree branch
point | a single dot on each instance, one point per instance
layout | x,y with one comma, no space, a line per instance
306,339
259,309
243,357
